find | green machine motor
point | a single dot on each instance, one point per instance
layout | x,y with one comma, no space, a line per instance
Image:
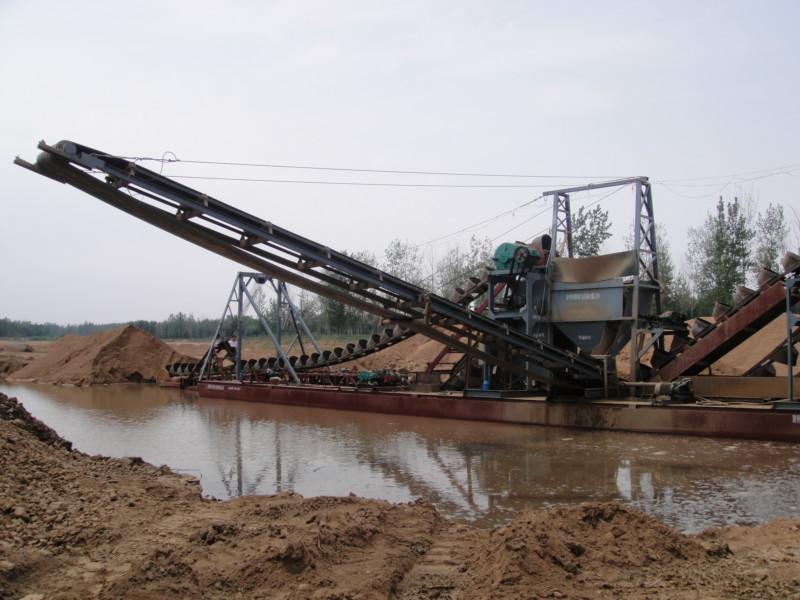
515,257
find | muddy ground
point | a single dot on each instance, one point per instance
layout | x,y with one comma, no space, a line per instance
77,526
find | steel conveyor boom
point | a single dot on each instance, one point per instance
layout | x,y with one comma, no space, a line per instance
294,259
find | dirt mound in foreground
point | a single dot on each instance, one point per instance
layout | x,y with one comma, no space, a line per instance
126,354
591,545
77,526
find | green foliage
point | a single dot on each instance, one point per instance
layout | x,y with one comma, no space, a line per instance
719,254
402,259
337,318
590,229
458,264
771,232
175,326
671,289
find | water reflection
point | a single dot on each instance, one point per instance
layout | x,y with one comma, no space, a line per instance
479,471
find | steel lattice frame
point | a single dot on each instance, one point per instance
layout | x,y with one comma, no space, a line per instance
645,248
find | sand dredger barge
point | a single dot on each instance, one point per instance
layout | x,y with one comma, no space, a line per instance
535,334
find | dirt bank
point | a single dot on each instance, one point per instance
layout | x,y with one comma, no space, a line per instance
14,355
116,356
76,526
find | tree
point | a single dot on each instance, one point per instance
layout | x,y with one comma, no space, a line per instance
666,272
674,287
590,228
310,307
342,319
680,297
719,254
771,233
458,264
402,259
796,228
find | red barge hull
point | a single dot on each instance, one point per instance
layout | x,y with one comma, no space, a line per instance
749,421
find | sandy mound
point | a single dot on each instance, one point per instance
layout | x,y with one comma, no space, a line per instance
12,346
596,544
412,354
14,355
11,363
75,526
127,354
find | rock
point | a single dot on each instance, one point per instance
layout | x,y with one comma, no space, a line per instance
6,566
94,567
33,597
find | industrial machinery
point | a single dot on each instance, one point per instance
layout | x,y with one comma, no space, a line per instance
537,319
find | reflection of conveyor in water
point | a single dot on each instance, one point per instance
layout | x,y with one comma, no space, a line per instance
234,479
455,498
416,486
486,474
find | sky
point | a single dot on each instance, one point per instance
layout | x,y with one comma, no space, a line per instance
686,93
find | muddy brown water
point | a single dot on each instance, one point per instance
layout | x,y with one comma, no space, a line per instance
482,472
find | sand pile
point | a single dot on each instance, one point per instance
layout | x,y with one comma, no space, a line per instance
14,355
412,354
11,363
12,346
578,548
126,354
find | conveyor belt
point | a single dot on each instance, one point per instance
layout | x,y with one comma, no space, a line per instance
732,326
296,260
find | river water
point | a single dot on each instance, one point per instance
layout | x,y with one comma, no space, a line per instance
482,472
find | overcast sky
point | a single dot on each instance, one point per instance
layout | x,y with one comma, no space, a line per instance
670,90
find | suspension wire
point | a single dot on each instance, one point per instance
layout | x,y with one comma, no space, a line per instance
680,182
479,223
759,174
722,187
366,183
175,159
